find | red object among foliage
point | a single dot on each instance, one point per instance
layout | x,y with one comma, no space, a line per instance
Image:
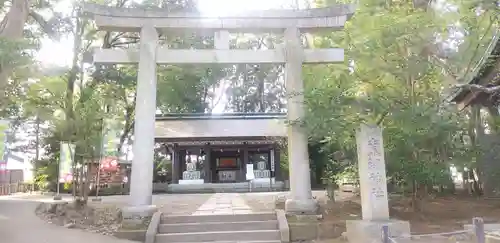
3,167
109,164
107,174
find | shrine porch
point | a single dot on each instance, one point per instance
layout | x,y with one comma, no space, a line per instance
237,187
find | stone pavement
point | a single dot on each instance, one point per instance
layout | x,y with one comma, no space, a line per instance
224,203
187,204
19,224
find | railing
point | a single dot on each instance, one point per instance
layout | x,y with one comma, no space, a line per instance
11,188
476,234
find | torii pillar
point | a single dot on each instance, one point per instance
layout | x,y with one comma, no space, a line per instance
149,21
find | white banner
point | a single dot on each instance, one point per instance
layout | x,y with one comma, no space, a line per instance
66,158
4,128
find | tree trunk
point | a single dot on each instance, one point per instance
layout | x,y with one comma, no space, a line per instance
419,193
86,187
74,182
72,77
476,132
82,183
479,173
129,124
69,133
476,189
494,118
11,29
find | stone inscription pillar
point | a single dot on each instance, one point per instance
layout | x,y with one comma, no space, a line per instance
144,128
372,178
300,201
374,203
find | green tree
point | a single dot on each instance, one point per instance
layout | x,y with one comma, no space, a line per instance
391,78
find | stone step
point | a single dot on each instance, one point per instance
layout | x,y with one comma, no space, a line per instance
253,241
217,226
182,219
238,236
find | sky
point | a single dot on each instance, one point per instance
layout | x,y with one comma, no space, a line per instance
59,53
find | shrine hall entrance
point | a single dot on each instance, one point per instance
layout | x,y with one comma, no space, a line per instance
227,165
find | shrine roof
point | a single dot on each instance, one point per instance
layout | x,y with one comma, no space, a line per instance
218,141
227,125
487,73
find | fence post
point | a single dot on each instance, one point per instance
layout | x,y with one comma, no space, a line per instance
479,229
385,234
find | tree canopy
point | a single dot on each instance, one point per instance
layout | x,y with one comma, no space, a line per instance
403,59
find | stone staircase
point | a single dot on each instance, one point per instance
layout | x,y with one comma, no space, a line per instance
258,228
262,186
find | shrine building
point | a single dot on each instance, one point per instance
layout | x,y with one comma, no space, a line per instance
223,153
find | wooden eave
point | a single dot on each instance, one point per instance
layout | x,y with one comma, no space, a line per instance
488,75
216,141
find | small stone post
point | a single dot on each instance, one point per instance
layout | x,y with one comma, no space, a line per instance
479,230
385,234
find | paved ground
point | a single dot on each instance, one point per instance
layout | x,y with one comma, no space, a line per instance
19,224
230,203
187,204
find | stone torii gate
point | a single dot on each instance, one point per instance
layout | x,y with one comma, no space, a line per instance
151,22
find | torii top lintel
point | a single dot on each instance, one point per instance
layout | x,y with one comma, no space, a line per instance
132,19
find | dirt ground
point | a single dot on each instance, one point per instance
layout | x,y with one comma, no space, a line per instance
441,214
438,215
103,220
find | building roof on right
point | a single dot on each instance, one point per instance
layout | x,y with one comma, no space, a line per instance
487,74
